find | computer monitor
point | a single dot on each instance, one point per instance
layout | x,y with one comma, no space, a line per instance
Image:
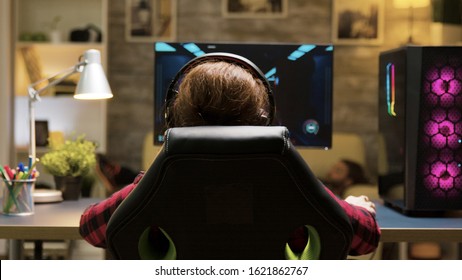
300,74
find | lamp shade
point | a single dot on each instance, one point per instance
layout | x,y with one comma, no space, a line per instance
93,83
405,4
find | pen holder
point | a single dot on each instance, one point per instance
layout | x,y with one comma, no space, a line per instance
17,197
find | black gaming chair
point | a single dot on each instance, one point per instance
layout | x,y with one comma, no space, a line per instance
233,192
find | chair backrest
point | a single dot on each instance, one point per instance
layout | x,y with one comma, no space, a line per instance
345,145
233,192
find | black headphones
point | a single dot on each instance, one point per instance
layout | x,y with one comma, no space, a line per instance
218,56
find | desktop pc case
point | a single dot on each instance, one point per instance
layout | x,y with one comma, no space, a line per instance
420,129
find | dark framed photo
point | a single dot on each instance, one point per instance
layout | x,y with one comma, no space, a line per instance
254,8
41,133
359,22
150,20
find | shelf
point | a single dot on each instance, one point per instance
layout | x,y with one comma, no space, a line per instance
37,16
35,60
93,45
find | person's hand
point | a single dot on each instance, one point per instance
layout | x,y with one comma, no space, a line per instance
362,201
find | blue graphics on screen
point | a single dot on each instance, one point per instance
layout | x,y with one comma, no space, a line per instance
300,74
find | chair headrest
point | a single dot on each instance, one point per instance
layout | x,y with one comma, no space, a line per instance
226,140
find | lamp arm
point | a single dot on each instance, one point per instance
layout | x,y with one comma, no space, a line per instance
95,74
34,94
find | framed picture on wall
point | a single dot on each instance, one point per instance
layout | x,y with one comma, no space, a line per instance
150,20
254,8
359,22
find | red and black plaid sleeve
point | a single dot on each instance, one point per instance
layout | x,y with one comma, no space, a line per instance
365,228
94,219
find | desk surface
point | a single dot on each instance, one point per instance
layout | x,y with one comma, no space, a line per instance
50,221
397,227
61,221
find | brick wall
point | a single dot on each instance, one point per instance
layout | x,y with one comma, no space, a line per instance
130,113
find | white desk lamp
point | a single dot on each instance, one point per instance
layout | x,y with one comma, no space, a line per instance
92,85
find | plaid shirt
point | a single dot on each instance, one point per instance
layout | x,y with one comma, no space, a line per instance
94,220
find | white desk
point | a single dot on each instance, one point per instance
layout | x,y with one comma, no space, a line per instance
61,221
402,229
397,227
53,221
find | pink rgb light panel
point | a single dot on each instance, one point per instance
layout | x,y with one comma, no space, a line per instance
442,127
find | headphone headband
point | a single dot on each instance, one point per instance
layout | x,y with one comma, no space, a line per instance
219,56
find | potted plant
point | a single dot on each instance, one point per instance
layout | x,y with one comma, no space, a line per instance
68,162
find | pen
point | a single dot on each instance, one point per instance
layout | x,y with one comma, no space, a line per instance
10,186
30,162
21,167
4,173
33,174
29,174
9,172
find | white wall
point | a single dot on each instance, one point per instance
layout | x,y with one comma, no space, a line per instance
71,116
6,98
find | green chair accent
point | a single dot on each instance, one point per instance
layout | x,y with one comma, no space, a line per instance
312,249
147,252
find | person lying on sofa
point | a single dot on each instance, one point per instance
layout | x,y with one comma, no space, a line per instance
342,175
222,93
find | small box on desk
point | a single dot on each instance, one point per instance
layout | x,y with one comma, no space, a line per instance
420,128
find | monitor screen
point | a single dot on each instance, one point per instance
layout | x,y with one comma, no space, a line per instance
300,74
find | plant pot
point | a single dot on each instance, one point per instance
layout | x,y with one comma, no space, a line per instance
71,187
